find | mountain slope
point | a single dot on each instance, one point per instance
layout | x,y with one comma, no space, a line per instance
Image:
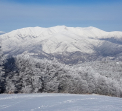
61,40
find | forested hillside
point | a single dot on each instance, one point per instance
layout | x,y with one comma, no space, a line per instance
24,74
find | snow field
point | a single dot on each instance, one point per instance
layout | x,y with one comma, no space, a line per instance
59,102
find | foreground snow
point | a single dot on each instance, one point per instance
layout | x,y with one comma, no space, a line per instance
58,102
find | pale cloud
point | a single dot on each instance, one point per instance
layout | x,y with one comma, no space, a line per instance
2,32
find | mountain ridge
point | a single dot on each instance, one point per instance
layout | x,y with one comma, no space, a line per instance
38,30
62,40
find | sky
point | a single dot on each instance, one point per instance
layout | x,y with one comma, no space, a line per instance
103,14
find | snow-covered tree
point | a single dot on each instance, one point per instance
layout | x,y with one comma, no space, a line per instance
2,79
0,60
24,74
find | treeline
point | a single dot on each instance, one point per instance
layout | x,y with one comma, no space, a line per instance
24,74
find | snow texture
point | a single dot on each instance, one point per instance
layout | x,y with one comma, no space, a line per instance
56,39
58,102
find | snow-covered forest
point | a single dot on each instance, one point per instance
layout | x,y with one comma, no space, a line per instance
24,74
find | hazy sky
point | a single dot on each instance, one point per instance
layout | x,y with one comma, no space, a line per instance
103,14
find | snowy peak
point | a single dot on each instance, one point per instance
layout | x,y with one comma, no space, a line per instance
62,39
29,31
83,32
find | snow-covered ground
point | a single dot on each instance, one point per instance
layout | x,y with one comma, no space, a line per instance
59,102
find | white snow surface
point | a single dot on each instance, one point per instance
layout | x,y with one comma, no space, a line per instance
56,39
59,102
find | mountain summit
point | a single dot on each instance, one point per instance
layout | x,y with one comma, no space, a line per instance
74,43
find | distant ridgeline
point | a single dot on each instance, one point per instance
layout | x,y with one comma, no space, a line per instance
24,74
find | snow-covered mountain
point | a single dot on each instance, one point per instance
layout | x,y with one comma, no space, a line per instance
63,42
